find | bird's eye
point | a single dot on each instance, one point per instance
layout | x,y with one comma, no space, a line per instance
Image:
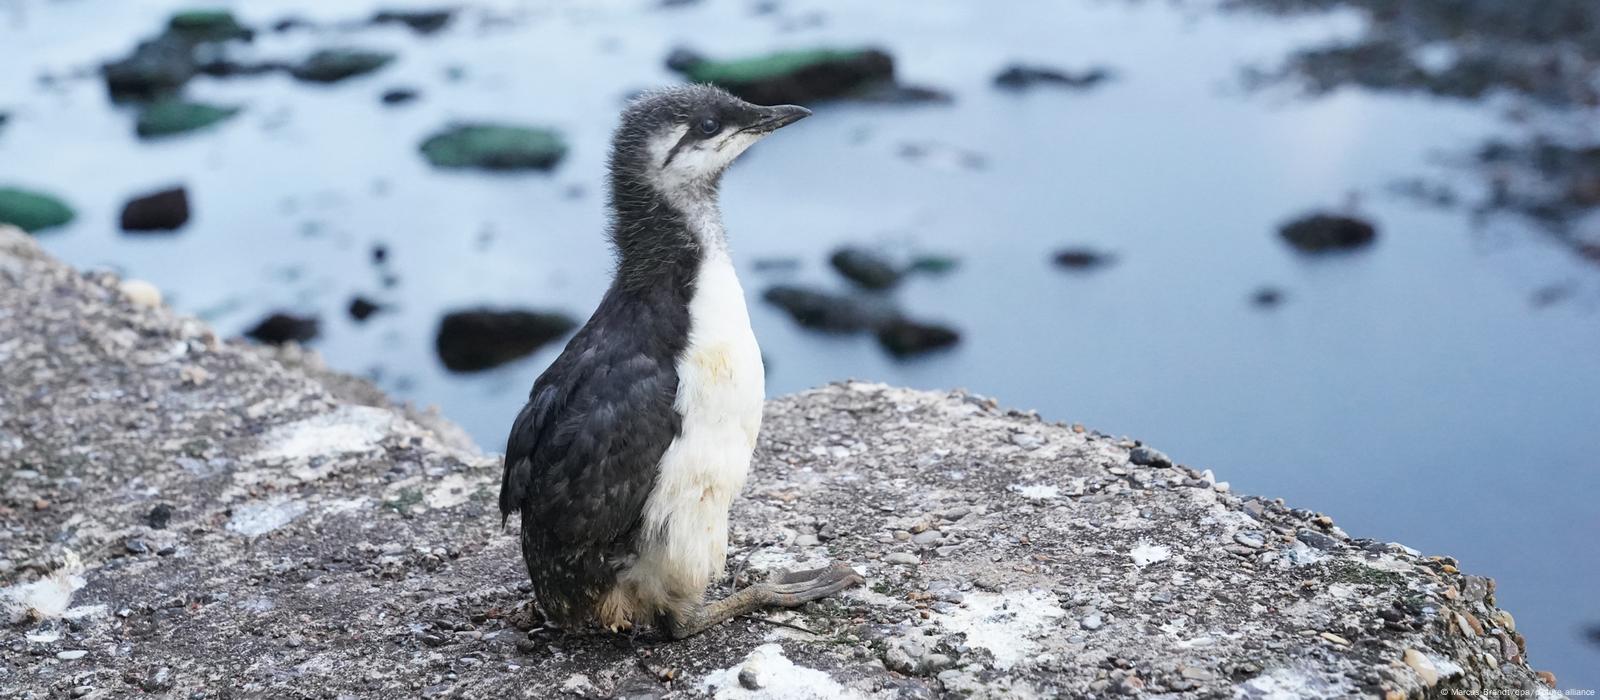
709,126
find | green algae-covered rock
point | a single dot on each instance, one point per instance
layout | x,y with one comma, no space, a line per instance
207,25
794,76
424,21
175,116
495,147
334,65
32,211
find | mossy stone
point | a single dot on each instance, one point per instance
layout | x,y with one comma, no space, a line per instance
495,147
775,65
207,25
175,116
32,211
795,76
334,65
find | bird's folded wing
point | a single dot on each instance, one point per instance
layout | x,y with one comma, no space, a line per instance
583,454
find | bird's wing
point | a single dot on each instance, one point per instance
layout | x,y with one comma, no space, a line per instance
581,458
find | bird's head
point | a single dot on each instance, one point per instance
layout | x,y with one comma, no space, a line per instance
678,141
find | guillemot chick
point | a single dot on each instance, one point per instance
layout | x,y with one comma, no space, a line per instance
633,444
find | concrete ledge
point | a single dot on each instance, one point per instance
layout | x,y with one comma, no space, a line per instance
186,516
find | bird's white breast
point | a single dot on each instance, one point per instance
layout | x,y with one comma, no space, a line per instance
721,387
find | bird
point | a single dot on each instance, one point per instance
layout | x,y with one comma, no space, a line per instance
625,460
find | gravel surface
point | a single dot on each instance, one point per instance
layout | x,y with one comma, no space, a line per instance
195,517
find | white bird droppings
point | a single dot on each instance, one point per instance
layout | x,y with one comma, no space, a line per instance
261,517
1037,492
348,429
1146,554
453,490
1007,624
776,678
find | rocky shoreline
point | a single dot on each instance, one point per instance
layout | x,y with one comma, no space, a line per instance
205,518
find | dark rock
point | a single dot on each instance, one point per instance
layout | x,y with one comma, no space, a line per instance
398,95
819,310
207,25
1326,232
420,21
478,339
159,516
681,59
1083,259
221,67
866,268
1149,457
287,24
748,679
933,264
495,147
1551,294
899,94
361,308
781,264
1019,77
280,328
1317,540
380,253
166,210
796,77
1267,297
32,211
334,65
904,337
156,68
174,116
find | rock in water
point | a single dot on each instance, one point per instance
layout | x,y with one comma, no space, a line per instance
420,21
933,264
865,267
478,339
166,210
1319,233
334,65
495,147
156,68
362,308
795,77
280,328
207,25
1267,297
174,116
904,337
823,311
32,211
398,96
1082,258
1019,77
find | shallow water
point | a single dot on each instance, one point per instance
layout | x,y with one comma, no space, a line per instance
1412,391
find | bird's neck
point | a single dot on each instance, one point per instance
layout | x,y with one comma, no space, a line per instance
662,239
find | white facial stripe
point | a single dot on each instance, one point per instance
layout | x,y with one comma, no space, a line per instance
695,161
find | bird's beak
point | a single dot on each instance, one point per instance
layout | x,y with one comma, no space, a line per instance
774,118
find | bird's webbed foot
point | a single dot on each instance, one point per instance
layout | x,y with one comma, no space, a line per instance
785,590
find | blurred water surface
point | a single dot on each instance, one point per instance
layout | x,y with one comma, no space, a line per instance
1414,391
